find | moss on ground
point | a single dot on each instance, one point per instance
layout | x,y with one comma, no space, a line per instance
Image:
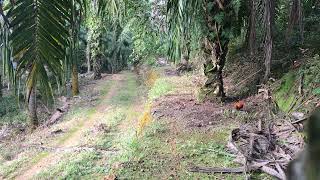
285,95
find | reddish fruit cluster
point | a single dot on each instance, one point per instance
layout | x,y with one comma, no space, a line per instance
239,105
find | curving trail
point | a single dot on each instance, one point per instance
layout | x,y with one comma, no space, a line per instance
75,138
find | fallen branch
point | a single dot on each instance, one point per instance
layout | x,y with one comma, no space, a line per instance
58,113
299,121
242,169
216,170
272,172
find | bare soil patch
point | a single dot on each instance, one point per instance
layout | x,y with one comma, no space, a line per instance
190,114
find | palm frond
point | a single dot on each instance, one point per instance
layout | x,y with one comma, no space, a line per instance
180,17
38,38
112,9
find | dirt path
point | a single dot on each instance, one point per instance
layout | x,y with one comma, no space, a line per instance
75,138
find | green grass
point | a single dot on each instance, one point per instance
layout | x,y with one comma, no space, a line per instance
287,95
38,157
78,112
152,157
161,154
85,115
161,87
83,165
126,94
9,170
113,120
106,88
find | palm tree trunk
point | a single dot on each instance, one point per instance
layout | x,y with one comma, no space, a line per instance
32,109
215,55
215,49
75,80
268,38
97,67
252,28
296,17
0,86
88,57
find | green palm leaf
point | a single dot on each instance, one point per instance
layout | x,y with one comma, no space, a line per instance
38,39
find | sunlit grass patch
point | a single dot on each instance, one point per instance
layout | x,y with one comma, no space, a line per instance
77,165
162,153
71,132
10,169
79,113
141,160
106,88
113,119
115,116
285,95
39,156
161,87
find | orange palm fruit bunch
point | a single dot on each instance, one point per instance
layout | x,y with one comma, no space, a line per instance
239,105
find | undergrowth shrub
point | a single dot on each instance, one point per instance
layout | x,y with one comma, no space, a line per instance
10,113
7,105
311,72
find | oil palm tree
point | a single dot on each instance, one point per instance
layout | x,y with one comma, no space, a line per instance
222,23
43,38
74,30
118,48
101,11
39,39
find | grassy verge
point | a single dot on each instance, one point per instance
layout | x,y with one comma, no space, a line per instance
76,165
163,154
8,170
161,151
161,87
11,169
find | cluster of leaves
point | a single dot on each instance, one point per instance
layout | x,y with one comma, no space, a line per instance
148,35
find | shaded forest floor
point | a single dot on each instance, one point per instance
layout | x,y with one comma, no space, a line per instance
149,126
